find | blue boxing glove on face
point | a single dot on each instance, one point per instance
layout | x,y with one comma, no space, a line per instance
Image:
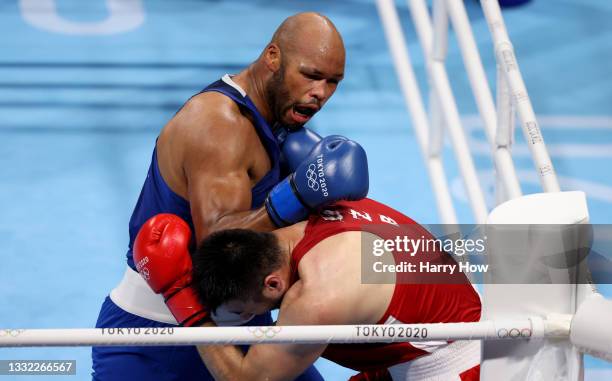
336,169
296,147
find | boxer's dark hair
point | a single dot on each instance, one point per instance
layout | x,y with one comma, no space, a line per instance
232,264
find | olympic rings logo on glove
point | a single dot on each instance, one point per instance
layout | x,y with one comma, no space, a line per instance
264,332
145,273
311,176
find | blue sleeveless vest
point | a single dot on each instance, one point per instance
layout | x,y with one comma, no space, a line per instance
156,197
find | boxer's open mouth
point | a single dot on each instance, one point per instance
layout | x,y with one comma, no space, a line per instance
305,110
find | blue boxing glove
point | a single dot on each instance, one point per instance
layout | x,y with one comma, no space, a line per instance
296,147
336,169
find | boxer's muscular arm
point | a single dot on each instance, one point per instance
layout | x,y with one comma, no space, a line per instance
273,362
216,164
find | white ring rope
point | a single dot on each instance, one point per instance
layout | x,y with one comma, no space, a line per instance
528,328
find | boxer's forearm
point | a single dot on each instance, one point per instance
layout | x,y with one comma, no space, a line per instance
225,362
228,363
217,217
257,220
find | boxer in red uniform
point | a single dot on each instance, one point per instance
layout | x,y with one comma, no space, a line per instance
313,270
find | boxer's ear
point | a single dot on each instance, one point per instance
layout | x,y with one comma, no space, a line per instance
272,57
274,286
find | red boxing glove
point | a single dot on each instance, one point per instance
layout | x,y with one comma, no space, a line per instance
161,255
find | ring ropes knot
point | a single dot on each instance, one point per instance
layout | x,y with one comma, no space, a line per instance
311,176
264,332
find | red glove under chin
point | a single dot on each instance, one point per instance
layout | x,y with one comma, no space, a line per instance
161,255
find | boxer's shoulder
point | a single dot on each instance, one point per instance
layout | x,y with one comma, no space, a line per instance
208,122
214,109
309,303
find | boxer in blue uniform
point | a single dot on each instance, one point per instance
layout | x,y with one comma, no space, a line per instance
216,165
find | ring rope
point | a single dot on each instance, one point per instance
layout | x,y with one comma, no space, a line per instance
528,328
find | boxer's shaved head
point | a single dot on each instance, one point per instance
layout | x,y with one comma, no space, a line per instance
308,33
306,57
